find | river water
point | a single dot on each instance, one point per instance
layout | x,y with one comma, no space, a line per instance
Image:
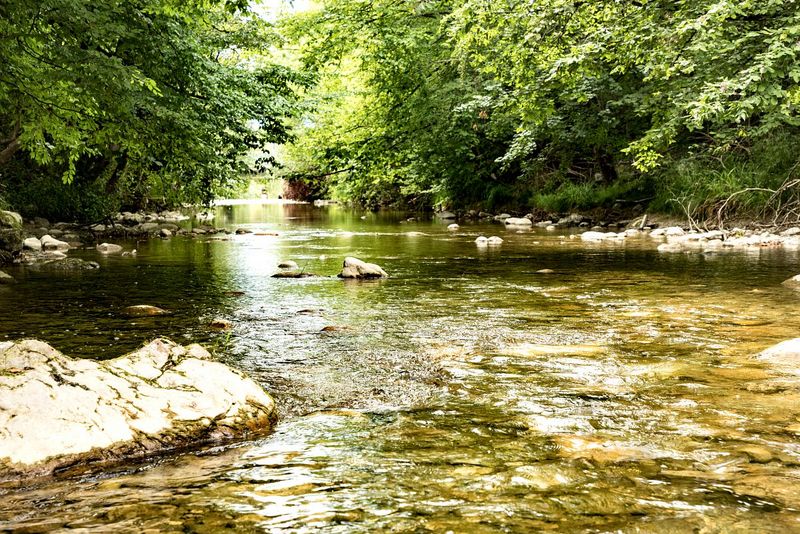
466,393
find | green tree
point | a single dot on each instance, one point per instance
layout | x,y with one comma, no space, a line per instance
143,96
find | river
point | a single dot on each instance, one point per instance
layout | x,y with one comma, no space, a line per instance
466,393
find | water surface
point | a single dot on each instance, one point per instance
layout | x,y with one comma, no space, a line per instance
468,392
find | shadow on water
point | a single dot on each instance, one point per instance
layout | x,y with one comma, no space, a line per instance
466,392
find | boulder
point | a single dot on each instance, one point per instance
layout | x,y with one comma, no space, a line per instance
60,411
51,243
242,231
10,235
10,219
481,241
453,227
147,227
785,356
494,240
793,282
108,248
355,268
518,221
6,278
502,217
144,310
32,243
165,232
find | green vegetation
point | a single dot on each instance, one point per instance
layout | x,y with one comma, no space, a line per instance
117,103
552,104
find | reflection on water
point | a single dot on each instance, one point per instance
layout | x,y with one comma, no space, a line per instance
468,392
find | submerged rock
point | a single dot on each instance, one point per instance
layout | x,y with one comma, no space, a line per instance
355,268
292,273
288,264
59,411
108,248
144,310
58,261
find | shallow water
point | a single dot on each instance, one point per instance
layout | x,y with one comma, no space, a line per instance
465,393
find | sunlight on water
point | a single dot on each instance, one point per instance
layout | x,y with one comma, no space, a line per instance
614,392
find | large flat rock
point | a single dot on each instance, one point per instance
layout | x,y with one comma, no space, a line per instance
57,411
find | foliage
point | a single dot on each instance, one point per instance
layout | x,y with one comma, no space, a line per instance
137,94
458,102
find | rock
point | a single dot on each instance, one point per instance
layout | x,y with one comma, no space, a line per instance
550,227
674,231
204,216
6,278
670,247
198,231
446,215
242,231
756,453
573,219
453,227
785,356
518,221
164,232
544,224
10,235
288,264
58,261
545,271
593,236
108,248
355,268
793,282
59,411
481,241
41,222
51,243
485,215
147,227
502,217
10,219
144,310
494,240
221,324
790,232
32,243
292,273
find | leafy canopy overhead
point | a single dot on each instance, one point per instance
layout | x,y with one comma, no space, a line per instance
175,91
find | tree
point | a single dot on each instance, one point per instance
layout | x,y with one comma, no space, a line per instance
139,94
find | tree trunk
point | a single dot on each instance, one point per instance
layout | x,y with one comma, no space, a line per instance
8,152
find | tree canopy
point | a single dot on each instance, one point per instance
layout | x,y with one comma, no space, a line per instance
157,97
458,101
